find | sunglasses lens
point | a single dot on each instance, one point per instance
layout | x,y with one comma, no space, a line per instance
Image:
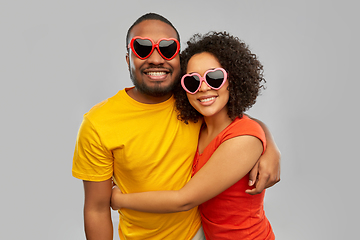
192,83
142,47
215,79
168,48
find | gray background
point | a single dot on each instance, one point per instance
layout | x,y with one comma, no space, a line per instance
59,58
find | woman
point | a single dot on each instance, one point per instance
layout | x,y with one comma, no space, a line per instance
223,79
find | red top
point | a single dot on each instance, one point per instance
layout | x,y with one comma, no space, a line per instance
234,214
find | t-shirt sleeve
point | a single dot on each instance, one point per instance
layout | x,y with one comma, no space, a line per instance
92,161
246,126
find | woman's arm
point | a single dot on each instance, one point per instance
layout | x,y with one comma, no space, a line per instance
229,163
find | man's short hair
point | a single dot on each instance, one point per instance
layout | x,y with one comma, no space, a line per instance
150,16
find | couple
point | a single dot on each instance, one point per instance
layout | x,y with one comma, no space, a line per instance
137,137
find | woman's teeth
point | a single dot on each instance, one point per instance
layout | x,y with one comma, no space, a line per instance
206,99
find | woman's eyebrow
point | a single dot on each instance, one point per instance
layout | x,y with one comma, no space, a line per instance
199,73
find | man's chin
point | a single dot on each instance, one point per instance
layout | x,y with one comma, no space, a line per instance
157,91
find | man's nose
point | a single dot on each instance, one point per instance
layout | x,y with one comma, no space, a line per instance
155,58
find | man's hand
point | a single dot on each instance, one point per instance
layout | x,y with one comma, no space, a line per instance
266,172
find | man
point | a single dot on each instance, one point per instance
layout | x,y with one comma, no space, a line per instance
135,136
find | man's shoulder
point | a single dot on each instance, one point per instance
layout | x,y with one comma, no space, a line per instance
106,106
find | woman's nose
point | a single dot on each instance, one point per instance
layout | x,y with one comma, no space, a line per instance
204,87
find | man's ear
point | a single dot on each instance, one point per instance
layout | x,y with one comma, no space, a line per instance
127,60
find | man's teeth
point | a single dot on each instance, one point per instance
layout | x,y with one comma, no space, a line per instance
156,73
206,99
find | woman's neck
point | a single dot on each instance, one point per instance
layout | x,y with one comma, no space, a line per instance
214,125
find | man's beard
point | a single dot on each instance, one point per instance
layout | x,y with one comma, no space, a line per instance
156,91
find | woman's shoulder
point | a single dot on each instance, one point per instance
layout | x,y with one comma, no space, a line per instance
243,126
244,122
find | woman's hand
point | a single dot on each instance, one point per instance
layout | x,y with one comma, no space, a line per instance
115,195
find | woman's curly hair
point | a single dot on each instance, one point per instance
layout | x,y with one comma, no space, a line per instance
245,73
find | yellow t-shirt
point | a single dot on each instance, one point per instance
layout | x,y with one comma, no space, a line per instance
146,148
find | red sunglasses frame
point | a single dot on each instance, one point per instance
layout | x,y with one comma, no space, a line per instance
203,79
154,45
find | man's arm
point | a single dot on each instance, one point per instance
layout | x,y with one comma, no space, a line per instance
97,215
266,172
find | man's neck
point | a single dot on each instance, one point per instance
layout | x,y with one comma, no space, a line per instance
146,99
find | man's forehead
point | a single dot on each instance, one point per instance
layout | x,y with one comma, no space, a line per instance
154,29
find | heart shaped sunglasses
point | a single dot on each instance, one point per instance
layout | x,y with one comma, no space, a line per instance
143,47
214,78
